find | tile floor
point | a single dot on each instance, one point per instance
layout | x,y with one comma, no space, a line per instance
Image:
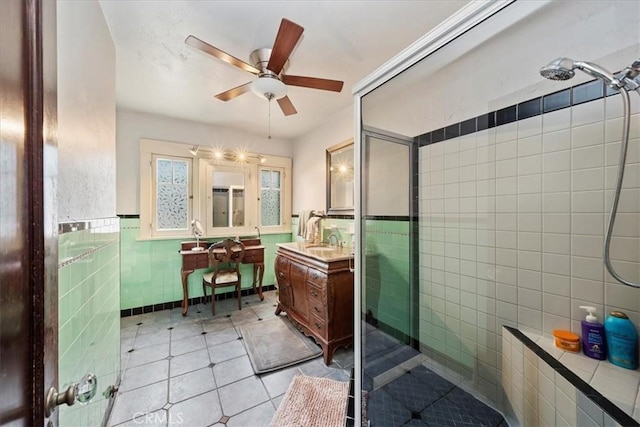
194,370
402,391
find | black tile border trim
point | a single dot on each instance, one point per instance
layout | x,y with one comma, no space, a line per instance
574,95
616,413
329,216
192,301
371,217
387,218
129,216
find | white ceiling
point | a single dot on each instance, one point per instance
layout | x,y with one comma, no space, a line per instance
343,40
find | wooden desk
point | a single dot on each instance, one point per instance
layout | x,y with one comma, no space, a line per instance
193,260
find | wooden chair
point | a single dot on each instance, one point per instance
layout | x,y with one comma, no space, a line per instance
224,259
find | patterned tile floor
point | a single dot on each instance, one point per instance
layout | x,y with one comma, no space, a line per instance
411,394
194,371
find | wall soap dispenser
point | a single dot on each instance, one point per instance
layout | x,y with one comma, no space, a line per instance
593,336
622,340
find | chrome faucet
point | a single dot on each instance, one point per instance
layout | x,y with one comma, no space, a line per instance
338,242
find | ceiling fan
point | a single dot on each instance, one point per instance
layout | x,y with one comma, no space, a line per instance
270,66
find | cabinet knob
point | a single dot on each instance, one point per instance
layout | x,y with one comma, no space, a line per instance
318,325
281,274
316,309
313,293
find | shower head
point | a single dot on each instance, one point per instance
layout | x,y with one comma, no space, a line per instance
558,69
562,69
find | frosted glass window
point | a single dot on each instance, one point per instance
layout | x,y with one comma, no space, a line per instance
172,194
270,197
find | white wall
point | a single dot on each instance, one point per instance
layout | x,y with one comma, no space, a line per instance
134,125
86,113
309,160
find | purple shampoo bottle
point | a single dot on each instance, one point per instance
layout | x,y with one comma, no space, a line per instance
593,338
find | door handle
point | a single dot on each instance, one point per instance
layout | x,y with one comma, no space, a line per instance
82,391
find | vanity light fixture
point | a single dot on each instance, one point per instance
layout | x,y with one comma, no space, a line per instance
240,155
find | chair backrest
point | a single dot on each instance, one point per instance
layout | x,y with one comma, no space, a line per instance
226,254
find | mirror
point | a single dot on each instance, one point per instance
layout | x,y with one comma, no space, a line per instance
340,184
198,232
228,199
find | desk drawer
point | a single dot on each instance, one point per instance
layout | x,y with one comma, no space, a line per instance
193,262
253,256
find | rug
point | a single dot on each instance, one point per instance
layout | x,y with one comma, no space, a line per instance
313,402
275,344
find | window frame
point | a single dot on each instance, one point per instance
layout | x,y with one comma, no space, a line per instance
206,199
198,190
154,195
283,174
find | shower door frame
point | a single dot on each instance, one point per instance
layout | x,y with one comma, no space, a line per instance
471,15
412,213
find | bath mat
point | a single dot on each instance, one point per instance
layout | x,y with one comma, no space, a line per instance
313,402
275,344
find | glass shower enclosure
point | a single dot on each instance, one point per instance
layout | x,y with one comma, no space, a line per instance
484,191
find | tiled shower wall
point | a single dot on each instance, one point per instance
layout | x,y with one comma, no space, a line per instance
512,224
387,269
88,313
151,268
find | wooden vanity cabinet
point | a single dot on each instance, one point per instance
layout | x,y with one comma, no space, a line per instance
317,296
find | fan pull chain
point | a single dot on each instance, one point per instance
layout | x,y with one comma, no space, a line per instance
269,137
269,97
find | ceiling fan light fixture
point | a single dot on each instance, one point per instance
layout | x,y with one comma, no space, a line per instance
266,84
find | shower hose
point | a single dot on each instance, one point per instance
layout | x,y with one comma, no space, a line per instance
616,197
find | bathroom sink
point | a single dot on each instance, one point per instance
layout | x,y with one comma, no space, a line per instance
321,248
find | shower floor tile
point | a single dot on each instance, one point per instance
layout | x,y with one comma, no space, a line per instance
408,395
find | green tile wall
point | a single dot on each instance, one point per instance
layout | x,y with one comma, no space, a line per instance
89,315
150,269
387,293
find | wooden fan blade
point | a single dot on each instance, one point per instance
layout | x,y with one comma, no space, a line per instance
313,83
288,35
214,51
286,106
232,93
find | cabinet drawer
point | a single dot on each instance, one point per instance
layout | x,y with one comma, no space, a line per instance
314,293
193,262
317,277
318,309
318,326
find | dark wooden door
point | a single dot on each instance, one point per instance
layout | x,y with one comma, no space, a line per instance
28,234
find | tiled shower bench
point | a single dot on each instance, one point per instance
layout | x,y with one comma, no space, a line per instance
545,386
